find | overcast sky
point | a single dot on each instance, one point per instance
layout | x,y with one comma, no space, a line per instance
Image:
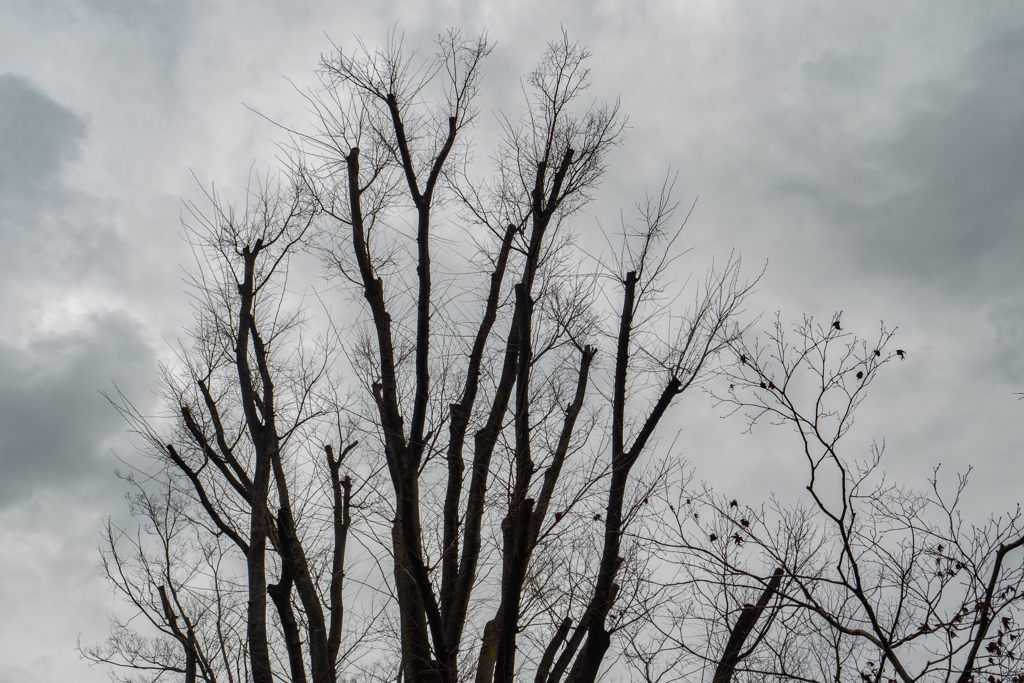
871,153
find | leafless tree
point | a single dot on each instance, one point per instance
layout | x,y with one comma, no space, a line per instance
520,379
248,485
867,579
548,367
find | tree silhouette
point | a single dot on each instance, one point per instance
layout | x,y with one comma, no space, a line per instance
456,477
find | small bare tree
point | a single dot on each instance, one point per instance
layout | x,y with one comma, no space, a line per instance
248,485
867,580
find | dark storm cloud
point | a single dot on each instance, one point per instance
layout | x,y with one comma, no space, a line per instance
56,429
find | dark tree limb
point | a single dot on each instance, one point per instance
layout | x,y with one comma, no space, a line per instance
265,443
588,663
518,561
187,643
280,593
732,654
460,414
485,440
551,650
200,438
342,491
227,453
561,451
294,556
373,291
204,499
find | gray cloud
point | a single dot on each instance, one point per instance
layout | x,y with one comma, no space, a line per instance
60,342
1008,322
842,71
52,235
37,135
940,191
55,427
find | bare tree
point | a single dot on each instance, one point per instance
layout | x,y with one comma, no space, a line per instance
520,564
248,470
525,413
867,579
